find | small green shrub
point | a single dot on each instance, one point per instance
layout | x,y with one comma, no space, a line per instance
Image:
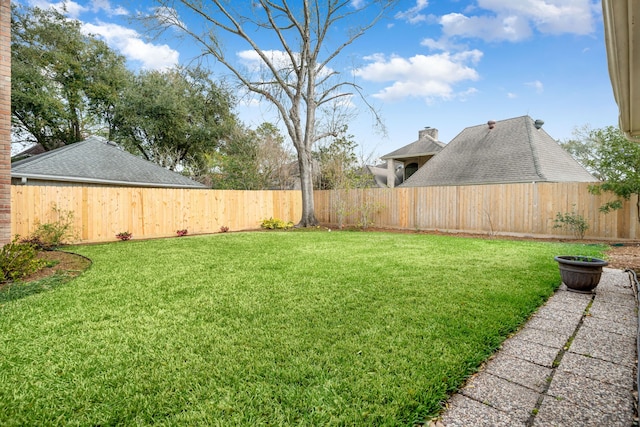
276,224
18,260
573,222
50,235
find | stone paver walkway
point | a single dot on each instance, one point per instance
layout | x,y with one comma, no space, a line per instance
573,364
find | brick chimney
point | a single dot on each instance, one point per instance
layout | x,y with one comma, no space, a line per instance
428,131
5,121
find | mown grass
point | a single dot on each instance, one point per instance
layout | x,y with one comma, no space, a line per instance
277,328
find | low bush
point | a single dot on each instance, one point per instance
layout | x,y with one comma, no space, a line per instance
276,224
50,235
18,260
573,222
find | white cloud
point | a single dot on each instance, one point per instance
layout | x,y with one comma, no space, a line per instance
508,20
254,63
414,15
130,44
278,58
511,95
537,85
421,76
549,16
105,5
511,28
73,9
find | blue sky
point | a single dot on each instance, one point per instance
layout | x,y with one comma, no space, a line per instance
443,64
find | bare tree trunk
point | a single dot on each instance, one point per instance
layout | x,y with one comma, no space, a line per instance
306,185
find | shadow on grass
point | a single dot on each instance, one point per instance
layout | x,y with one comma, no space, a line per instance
17,290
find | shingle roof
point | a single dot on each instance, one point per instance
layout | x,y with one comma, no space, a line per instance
98,161
513,151
425,146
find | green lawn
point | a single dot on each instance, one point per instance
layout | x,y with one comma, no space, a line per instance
277,328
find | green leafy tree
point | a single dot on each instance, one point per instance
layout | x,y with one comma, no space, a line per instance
295,44
234,165
64,84
252,160
338,164
175,118
584,148
616,160
274,159
608,156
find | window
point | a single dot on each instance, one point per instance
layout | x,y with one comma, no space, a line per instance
410,169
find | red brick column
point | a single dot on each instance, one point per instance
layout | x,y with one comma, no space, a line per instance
5,121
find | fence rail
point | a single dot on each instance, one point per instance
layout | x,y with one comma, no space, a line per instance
509,209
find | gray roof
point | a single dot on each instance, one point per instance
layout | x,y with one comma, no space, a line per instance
515,150
424,146
98,161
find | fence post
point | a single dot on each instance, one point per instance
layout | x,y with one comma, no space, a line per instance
633,216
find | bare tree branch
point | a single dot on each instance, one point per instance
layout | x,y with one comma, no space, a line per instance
300,84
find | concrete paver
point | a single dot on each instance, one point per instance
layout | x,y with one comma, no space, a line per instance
573,364
600,370
520,371
503,395
604,345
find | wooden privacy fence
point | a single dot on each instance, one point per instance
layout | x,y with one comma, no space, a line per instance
508,209
99,213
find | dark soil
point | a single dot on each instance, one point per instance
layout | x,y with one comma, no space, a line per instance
72,265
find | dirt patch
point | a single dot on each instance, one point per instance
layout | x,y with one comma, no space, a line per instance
626,256
62,262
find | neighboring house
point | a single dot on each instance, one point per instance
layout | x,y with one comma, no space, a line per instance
507,151
34,150
405,161
95,162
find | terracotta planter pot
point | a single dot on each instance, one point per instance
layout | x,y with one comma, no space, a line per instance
580,273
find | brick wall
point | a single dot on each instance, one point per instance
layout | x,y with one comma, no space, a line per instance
5,121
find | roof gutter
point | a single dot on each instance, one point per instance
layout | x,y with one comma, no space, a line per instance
25,176
409,156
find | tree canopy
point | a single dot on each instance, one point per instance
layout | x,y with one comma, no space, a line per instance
64,84
616,161
175,117
611,158
252,160
338,162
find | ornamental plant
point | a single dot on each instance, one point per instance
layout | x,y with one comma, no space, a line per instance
573,222
124,235
59,231
276,224
182,232
224,229
18,260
